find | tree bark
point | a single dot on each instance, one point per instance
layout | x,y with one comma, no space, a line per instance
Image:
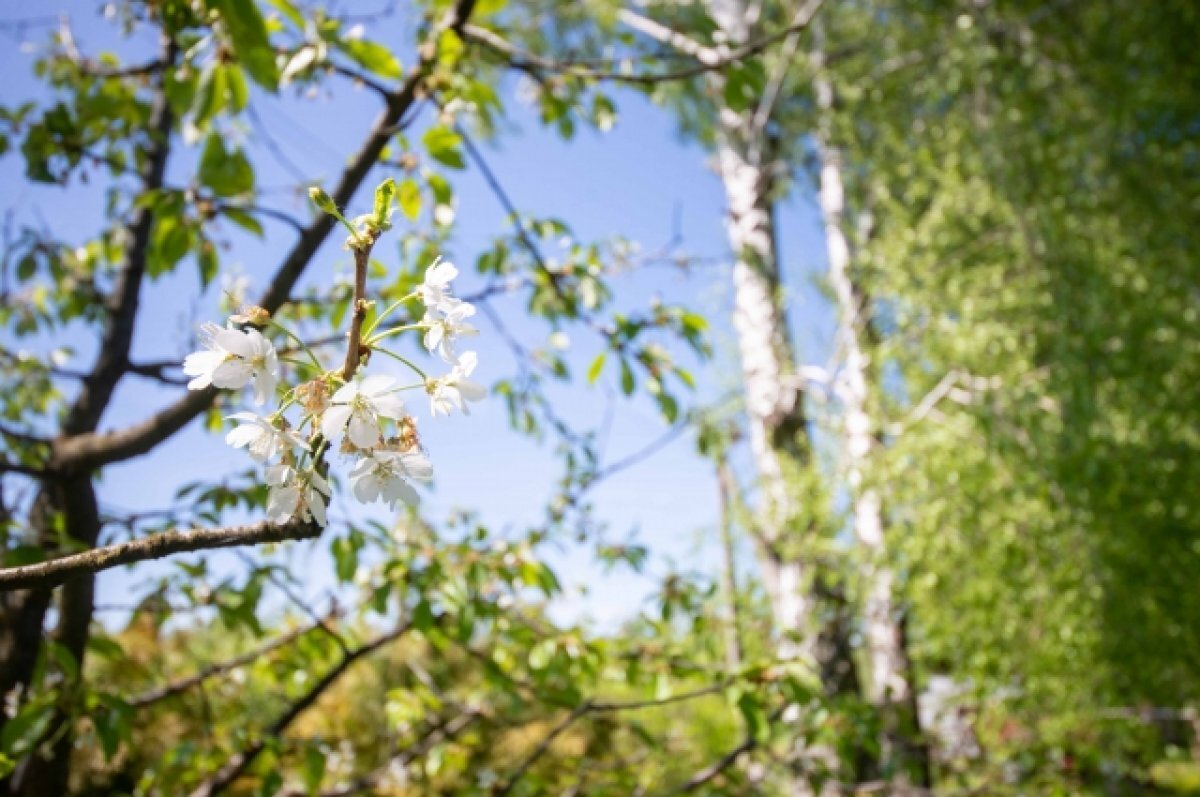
779,437
889,684
69,495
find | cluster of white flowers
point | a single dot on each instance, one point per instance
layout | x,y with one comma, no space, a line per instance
363,418
232,359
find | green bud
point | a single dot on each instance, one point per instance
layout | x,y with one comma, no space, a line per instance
383,204
323,201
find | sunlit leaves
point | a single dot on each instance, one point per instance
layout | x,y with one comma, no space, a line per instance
248,34
444,146
372,56
227,173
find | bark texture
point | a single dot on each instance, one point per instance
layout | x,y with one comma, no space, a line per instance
889,682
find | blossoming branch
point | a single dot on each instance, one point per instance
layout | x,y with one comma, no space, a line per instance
360,415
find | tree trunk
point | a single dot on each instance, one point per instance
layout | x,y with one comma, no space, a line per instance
889,684
68,494
779,436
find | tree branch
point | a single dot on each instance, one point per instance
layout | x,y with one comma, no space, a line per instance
183,684
710,59
541,749
438,732
716,768
233,768
56,571
98,386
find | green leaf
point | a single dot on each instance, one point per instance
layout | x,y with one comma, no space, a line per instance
251,43
627,380
313,768
373,57
22,732
754,715
486,8
210,96
22,555
207,261
443,192
171,240
226,173
239,92
289,11
409,196
444,145
383,201
597,366
345,557
668,406
450,48
243,219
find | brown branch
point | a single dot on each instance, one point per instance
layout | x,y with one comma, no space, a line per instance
541,749
362,258
437,732
359,77
236,765
717,767
117,339
709,59
183,684
56,571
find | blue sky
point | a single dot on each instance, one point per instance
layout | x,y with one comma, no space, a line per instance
634,181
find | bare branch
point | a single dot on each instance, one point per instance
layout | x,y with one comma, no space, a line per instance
716,768
438,732
117,339
56,571
236,765
540,750
709,59
183,684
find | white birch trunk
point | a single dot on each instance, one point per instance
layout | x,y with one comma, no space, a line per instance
888,683
766,359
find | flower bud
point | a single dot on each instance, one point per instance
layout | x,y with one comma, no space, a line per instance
322,200
251,314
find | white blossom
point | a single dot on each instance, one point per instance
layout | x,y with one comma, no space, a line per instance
358,407
454,389
296,495
260,437
443,214
232,359
385,475
445,326
434,290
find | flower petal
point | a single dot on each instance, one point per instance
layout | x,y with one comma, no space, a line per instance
244,435
376,384
400,490
232,374
466,363
234,342
334,421
345,394
417,466
363,430
316,507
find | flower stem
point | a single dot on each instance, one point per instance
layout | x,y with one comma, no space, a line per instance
298,341
392,331
391,308
404,360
